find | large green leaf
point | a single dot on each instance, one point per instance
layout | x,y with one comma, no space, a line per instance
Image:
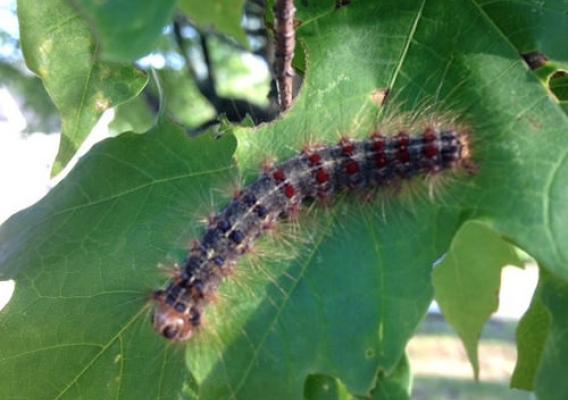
86,257
129,29
343,292
467,282
532,333
417,55
59,48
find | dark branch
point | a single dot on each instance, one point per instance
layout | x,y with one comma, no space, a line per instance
233,109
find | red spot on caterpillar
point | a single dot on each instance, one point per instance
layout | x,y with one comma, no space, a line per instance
403,155
314,159
347,147
279,175
352,167
321,176
378,142
430,151
289,190
403,140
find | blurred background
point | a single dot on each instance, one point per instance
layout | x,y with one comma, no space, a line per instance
202,80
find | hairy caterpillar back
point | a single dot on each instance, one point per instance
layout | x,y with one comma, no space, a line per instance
315,174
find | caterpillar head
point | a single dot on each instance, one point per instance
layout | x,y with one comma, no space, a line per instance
174,322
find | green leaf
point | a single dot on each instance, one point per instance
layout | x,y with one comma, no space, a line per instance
224,16
394,386
559,87
467,282
183,101
295,307
135,115
59,48
337,98
532,332
85,259
323,387
127,29
341,293
532,25
551,383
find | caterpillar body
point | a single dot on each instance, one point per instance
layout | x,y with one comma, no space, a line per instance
314,174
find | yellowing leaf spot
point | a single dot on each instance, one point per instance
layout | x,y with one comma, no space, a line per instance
42,71
44,49
102,103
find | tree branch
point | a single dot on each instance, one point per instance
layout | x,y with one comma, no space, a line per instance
284,11
234,109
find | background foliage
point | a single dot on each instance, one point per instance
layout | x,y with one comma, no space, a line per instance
339,297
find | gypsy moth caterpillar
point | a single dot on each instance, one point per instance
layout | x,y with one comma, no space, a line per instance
319,173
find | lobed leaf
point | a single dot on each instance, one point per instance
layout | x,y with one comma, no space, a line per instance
395,386
85,260
467,282
344,297
401,52
59,48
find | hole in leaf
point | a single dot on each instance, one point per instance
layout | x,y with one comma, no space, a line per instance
559,85
535,59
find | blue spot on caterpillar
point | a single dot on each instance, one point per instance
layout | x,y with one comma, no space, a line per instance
321,173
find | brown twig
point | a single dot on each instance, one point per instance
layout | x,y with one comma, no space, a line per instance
284,11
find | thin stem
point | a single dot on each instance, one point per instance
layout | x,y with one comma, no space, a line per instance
284,11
